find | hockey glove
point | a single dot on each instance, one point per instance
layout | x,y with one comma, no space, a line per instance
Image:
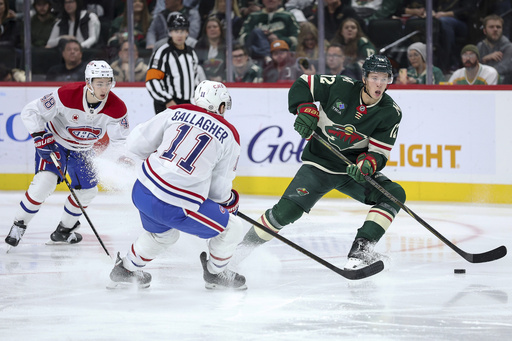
366,165
45,145
232,204
307,119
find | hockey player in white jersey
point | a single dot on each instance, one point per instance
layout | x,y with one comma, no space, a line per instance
67,122
190,155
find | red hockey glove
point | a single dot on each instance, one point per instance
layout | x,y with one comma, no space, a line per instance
45,145
232,204
366,165
307,119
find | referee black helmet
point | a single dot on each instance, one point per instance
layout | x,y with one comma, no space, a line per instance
177,21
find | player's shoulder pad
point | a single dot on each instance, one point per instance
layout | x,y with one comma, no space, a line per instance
114,107
71,95
388,102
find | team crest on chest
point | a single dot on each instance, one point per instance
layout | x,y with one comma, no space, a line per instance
85,133
343,136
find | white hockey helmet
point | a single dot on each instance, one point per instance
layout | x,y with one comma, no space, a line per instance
210,95
99,69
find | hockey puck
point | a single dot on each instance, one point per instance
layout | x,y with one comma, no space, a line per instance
459,271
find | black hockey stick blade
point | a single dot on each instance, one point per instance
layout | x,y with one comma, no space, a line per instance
488,256
368,271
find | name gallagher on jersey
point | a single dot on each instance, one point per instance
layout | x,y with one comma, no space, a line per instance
203,123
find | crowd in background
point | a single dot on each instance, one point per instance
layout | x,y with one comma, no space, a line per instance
273,40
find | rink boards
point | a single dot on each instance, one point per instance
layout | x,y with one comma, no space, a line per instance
453,143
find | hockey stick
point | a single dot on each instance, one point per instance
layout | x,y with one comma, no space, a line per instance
368,271
57,164
488,256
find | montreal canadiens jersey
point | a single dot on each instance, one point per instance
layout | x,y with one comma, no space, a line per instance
345,122
65,113
189,154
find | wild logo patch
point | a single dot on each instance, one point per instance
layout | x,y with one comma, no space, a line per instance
343,136
302,191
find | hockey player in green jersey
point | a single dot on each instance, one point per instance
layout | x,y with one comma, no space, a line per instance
361,121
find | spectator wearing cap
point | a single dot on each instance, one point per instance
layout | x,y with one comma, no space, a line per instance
173,68
417,71
473,73
272,23
158,28
282,68
495,49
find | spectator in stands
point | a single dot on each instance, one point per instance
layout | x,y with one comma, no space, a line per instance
453,15
355,43
307,48
41,23
73,68
282,68
376,9
335,12
473,73
495,49
272,23
8,32
335,62
121,66
211,50
11,75
158,29
244,70
219,11
249,6
417,72
142,20
76,24
301,9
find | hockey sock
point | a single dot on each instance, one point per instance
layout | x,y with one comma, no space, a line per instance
223,246
378,220
147,247
72,211
41,187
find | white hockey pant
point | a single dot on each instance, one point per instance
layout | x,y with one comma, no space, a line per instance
223,246
42,186
147,247
72,211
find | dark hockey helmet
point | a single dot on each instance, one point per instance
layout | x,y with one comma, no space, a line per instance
177,21
378,63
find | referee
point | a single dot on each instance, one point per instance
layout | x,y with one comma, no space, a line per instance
172,75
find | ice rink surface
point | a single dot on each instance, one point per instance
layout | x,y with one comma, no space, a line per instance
51,292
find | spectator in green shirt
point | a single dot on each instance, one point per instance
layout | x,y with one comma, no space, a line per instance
417,72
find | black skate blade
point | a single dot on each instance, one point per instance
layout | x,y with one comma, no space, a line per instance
365,272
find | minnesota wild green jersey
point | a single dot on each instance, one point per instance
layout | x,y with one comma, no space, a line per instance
345,122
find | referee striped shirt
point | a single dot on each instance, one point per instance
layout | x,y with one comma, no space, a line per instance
172,74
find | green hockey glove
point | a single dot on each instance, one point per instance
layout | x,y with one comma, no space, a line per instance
307,119
366,165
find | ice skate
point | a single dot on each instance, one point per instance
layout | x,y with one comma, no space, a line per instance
361,254
123,278
15,234
63,235
227,279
